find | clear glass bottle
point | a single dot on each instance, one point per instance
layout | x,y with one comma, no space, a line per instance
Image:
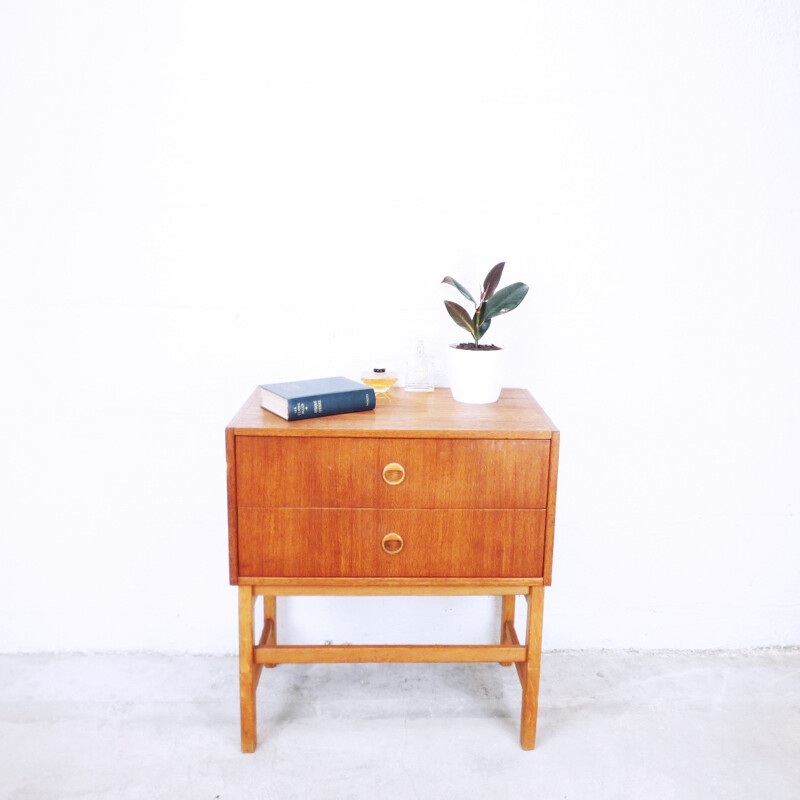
419,371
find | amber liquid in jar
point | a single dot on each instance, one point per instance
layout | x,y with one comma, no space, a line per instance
380,379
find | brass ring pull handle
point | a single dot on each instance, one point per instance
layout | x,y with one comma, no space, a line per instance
392,543
394,474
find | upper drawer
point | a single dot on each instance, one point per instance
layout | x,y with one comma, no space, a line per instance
318,472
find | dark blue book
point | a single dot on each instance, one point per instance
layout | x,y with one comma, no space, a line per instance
318,397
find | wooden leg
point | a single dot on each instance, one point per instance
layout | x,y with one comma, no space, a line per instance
507,616
270,622
247,669
530,669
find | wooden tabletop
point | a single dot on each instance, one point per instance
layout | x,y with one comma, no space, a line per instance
410,414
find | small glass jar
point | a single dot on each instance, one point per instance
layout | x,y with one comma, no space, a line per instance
380,379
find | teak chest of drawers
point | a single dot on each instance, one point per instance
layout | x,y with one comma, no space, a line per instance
422,496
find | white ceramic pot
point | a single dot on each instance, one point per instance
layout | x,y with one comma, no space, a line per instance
476,376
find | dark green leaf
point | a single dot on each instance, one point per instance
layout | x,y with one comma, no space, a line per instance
505,300
460,316
454,282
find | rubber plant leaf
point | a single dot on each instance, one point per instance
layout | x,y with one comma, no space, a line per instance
453,282
460,316
492,281
507,299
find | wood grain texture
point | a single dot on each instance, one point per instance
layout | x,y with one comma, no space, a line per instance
270,635
516,415
508,609
552,487
313,509
410,587
512,638
247,670
409,653
348,473
531,669
339,543
233,504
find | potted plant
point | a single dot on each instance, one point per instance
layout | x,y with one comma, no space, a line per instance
475,369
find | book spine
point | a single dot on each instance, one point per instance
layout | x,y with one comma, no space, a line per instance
324,405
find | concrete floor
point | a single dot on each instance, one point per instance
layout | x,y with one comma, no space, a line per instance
611,725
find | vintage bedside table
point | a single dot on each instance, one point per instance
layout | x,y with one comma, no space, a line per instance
422,496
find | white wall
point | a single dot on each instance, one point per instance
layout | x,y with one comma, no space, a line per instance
199,197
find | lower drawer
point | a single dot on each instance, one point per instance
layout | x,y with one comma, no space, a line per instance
372,543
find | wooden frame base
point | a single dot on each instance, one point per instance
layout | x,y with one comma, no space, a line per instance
254,654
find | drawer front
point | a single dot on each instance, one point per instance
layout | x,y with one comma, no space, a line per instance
311,472
338,543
